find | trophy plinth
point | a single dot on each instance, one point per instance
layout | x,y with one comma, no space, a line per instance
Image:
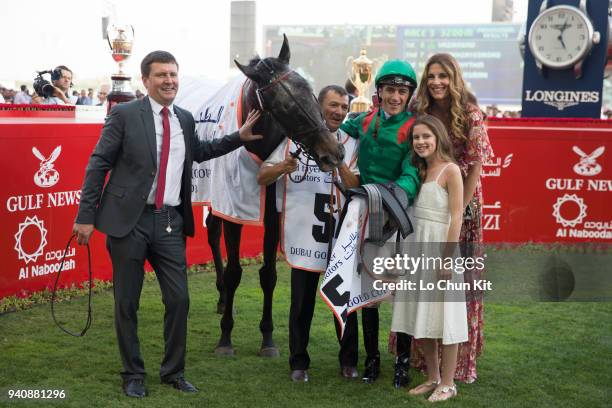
362,78
360,104
120,40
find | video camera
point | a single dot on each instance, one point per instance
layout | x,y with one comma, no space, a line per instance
43,87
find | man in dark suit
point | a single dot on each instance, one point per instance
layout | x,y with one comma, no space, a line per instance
149,146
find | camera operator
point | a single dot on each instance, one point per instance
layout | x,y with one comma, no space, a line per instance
57,92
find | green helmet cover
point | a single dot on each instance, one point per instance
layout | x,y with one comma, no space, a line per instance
396,68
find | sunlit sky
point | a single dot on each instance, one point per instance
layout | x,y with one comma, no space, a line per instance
41,34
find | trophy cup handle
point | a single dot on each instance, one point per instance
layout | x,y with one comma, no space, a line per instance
348,64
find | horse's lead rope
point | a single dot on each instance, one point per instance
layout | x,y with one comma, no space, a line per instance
53,293
296,155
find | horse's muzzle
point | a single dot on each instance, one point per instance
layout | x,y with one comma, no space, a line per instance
328,162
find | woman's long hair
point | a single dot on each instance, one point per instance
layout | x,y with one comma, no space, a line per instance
444,146
460,97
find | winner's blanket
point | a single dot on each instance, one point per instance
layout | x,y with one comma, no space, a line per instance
306,225
228,183
345,287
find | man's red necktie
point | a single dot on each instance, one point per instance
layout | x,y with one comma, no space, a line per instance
163,160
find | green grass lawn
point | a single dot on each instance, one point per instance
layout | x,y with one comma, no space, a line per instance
536,354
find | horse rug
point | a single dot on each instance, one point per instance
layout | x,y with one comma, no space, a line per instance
306,225
228,184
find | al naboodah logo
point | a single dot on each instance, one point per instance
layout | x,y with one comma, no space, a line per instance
563,202
34,223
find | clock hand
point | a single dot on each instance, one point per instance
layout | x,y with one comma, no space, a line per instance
560,38
561,30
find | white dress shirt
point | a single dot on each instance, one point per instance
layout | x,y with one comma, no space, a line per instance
176,158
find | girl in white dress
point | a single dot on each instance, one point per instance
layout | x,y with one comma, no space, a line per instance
437,219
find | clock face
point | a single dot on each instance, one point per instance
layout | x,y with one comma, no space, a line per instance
560,37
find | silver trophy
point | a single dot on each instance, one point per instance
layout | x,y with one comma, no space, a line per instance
120,39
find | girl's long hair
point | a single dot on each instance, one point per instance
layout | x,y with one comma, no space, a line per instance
459,95
444,146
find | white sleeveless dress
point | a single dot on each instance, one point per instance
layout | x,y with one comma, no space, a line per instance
414,312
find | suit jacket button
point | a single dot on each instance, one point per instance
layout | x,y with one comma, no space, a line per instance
143,197
153,173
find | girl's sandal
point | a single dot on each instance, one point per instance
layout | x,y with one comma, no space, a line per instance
443,393
424,388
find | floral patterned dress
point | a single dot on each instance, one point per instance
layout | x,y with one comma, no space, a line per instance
476,149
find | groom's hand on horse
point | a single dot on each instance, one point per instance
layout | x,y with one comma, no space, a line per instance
290,164
246,131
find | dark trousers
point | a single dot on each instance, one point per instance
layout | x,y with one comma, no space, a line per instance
371,324
303,296
165,251
349,343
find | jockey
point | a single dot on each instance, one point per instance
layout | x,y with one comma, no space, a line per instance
384,156
383,152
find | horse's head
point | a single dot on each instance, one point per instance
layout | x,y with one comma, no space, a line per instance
289,99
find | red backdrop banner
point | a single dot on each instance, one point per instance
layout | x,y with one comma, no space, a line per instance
43,166
549,182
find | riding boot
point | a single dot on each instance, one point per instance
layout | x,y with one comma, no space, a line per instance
370,323
401,376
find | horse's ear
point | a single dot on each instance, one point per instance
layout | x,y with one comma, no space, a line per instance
246,70
285,54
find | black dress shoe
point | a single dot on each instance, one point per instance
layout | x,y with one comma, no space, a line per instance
182,385
401,377
349,372
134,388
372,369
299,376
